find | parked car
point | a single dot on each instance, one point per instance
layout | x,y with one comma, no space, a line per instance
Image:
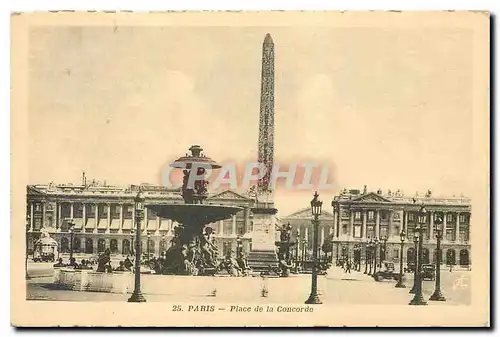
410,267
387,272
428,272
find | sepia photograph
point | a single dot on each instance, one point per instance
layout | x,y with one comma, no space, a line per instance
273,168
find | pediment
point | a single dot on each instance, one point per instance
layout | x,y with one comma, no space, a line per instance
32,190
306,214
228,195
371,197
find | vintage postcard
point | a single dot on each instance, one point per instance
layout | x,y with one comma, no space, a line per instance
250,169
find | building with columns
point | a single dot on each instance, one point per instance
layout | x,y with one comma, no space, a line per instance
103,217
358,216
303,229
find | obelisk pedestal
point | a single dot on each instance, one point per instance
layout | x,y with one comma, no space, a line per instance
263,252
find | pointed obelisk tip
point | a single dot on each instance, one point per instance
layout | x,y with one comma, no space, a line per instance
268,39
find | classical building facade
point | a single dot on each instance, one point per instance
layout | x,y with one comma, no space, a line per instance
103,217
358,216
303,229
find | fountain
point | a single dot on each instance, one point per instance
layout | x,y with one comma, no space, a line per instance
193,251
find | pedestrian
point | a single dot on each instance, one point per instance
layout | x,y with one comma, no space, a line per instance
348,266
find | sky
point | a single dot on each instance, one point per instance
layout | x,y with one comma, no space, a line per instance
388,108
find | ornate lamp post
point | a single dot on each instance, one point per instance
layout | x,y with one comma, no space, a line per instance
132,232
370,255
365,244
238,247
71,231
288,229
415,258
316,211
147,246
28,227
383,256
376,245
437,295
297,243
139,215
304,246
402,237
418,299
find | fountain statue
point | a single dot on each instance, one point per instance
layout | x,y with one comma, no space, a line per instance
192,250
285,264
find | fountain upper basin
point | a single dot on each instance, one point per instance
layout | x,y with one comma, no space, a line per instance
194,213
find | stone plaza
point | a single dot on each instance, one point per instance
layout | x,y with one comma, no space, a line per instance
337,287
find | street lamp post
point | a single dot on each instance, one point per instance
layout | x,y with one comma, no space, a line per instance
297,243
402,237
139,215
304,246
383,256
375,248
370,254
415,258
28,227
147,246
366,256
418,299
132,233
437,295
288,229
71,231
238,247
316,211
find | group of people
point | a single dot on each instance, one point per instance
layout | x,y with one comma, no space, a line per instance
83,265
348,264
103,264
234,266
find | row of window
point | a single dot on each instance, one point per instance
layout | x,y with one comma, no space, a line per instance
449,234
411,216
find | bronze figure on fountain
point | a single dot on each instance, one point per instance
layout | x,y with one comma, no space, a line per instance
284,245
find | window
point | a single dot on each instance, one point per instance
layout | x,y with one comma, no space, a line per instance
370,215
463,235
449,217
383,215
357,231
65,210
90,211
240,227
357,215
127,211
115,211
462,218
227,228
38,207
48,219
226,248
411,217
395,253
384,231
370,232
103,211
78,210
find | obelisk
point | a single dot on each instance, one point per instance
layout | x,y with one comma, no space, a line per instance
266,120
263,252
